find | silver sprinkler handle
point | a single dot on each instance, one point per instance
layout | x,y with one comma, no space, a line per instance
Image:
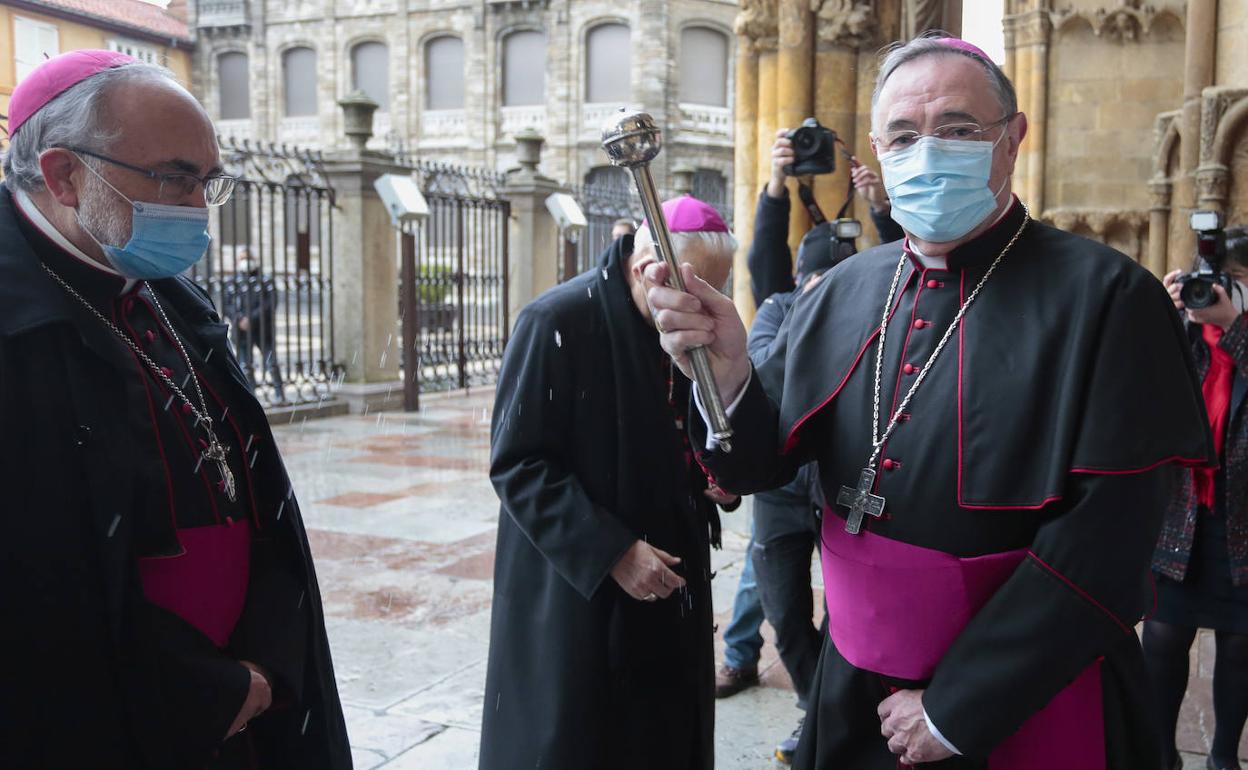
632,140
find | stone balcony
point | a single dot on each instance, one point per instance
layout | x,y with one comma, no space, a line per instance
221,13
304,130
443,128
707,122
237,129
516,119
594,115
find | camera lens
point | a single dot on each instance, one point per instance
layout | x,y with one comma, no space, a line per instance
1198,293
804,141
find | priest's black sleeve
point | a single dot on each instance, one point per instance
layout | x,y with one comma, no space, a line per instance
529,465
755,463
1075,598
769,260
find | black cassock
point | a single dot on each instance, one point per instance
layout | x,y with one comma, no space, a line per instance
133,585
588,456
1048,432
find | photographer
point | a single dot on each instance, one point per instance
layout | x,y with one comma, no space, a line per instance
1202,555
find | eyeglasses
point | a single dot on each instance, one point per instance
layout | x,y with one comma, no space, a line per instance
176,186
965,132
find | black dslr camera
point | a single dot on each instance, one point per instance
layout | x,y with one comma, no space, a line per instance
814,148
1198,285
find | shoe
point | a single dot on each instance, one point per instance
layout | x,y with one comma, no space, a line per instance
730,680
788,747
1211,765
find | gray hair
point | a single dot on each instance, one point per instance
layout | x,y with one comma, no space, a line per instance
71,118
716,243
929,43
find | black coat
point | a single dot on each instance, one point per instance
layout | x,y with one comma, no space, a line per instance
587,458
85,683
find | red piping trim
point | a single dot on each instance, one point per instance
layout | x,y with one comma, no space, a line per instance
961,349
905,349
176,415
791,441
1186,462
160,446
989,507
1084,594
238,436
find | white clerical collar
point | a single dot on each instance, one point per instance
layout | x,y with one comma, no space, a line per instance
41,223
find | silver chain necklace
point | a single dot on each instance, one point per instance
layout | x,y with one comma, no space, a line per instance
861,501
215,452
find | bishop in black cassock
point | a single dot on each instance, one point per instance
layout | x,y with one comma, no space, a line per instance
984,583
590,460
151,606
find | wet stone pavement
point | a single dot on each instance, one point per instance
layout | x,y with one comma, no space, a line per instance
402,520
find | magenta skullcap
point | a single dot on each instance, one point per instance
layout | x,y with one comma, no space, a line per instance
55,76
962,45
687,214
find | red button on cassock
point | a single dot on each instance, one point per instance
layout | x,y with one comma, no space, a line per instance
186,409
933,284
169,372
919,323
150,336
909,369
888,465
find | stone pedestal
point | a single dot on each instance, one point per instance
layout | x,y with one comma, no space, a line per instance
365,277
533,235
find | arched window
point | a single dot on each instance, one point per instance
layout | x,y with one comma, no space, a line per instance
444,68
612,178
370,72
608,64
704,66
524,69
233,86
299,82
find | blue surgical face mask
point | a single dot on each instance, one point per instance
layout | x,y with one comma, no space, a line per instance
164,240
939,187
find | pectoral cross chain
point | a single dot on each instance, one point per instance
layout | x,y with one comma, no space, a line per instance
860,502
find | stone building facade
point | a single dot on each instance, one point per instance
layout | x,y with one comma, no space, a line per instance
457,79
1143,117
1137,109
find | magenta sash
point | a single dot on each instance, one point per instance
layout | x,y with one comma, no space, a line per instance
206,585
895,609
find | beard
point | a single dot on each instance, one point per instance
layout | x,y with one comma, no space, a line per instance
103,213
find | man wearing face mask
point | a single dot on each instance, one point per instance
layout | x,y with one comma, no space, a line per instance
997,409
161,608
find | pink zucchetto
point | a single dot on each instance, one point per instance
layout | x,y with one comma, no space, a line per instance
56,75
962,45
687,214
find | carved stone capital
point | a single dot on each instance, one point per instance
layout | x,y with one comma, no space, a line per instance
1034,28
758,20
1212,181
1160,191
845,23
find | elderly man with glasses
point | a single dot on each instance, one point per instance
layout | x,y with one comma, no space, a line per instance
160,604
998,410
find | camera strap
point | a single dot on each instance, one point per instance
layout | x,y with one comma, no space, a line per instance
807,195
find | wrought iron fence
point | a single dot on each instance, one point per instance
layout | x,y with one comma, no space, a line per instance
603,205
270,270
461,267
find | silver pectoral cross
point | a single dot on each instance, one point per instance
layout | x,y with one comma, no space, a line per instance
216,453
860,502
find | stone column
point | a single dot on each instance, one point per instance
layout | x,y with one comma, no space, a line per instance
842,32
744,164
533,235
365,279
1198,69
795,72
1158,225
1031,34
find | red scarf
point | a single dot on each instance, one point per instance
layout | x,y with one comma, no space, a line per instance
1217,391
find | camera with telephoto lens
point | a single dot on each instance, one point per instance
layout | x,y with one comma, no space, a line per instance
814,149
1198,285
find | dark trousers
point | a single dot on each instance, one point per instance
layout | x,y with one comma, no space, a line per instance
245,344
782,570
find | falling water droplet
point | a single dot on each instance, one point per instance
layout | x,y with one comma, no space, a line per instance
558,338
